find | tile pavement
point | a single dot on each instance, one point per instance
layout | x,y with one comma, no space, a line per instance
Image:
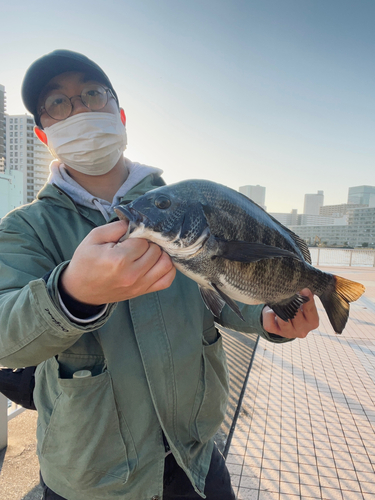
307,424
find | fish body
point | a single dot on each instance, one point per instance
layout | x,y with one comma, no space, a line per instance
234,250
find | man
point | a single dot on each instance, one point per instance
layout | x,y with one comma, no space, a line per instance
131,382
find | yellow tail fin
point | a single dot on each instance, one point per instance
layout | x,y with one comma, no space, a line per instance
336,299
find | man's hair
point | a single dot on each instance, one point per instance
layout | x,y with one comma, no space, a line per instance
51,65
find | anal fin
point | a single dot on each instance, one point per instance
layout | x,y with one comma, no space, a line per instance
287,309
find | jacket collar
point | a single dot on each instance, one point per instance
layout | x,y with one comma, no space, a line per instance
55,195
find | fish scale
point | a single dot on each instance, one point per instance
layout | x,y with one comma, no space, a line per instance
235,251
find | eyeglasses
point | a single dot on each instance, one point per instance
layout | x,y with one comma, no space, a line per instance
59,106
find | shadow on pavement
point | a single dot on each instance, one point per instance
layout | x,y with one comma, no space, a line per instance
239,350
34,494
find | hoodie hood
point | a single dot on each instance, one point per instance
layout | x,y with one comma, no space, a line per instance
60,178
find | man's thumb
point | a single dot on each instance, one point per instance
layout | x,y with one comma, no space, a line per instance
109,233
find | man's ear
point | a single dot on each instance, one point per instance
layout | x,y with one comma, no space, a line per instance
41,135
123,117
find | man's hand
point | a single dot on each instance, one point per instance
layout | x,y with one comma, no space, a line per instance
306,319
103,271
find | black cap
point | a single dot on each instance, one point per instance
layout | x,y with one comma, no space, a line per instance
51,65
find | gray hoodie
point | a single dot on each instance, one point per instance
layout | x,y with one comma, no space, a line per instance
60,177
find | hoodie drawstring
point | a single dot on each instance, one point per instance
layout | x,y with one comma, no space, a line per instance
100,207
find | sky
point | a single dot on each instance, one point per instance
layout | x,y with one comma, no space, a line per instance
279,93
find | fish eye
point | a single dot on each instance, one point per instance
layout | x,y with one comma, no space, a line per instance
162,202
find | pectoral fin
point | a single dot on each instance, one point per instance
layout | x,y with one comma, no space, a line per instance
288,309
212,300
229,302
216,299
243,251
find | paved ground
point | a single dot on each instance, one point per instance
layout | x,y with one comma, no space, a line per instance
19,470
307,425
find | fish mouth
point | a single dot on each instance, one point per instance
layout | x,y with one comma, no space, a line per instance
134,218
127,213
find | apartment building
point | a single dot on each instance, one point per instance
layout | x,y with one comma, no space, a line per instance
313,202
2,128
255,193
362,226
26,153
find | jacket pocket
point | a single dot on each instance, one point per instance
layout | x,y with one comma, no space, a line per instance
83,441
212,394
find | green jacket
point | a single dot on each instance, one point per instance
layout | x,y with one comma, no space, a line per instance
157,363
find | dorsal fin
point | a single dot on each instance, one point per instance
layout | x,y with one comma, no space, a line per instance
302,245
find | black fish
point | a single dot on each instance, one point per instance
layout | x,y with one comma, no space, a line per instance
235,251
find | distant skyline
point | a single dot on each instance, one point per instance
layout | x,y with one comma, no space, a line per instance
247,192
279,94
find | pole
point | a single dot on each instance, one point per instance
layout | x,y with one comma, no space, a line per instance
3,421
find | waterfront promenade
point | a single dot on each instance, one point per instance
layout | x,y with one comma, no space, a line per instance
306,429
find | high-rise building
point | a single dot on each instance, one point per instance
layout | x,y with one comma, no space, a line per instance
338,211
255,193
362,226
362,195
313,202
2,129
26,153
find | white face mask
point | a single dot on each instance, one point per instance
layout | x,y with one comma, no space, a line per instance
91,143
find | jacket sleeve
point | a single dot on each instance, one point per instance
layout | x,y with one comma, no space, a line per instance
252,323
33,326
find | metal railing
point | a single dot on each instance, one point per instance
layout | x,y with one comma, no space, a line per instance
8,410
364,257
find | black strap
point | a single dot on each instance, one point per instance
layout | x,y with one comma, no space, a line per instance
18,385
